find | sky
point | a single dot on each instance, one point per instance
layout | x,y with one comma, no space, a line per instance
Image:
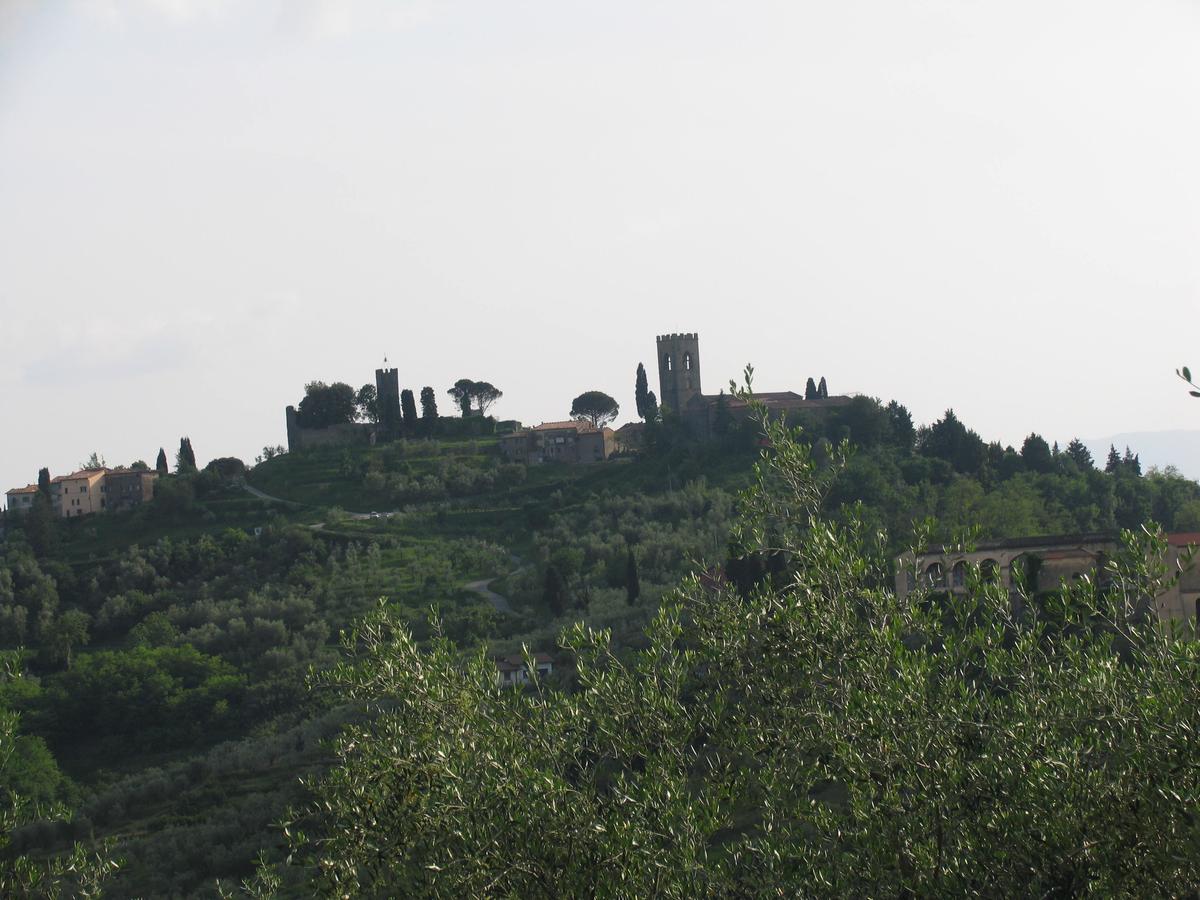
986,206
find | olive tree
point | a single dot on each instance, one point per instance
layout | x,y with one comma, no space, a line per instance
815,733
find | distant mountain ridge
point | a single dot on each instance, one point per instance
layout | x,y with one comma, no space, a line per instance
1180,449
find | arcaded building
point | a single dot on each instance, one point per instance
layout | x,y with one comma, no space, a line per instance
1044,563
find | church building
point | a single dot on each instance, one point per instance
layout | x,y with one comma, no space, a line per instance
680,390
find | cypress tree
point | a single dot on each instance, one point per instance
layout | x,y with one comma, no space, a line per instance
822,390
641,391
1114,460
810,390
408,408
633,587
185,461
651,407
160,465
429,411
722,420
552,593
44,482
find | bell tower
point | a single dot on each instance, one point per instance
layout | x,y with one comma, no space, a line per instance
678,370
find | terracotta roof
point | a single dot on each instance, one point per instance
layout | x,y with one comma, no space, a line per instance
1184,538
517,661
81,474
28,489
784,399
568,425
631,427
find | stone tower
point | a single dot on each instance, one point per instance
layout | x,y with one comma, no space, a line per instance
678,370
387,393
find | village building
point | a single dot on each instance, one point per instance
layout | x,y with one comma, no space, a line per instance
89,491
572,441
681,392
79,494
20,500
127,488
511,671
1044,563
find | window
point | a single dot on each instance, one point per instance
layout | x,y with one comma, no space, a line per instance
668,363
687,362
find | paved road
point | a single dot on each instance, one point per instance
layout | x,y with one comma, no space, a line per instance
483,590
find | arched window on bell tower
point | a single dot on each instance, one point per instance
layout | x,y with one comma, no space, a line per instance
668,363
687,362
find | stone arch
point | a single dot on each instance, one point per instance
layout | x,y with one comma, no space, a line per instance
935,575
1023,572
989,570
958,574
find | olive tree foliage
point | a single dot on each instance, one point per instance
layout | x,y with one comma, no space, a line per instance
1186,375
816,734
81,871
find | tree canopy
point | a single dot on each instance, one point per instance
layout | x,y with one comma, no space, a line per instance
596,407
327,404
814,732
474,397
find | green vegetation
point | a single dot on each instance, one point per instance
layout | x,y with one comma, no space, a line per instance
596,407
159,657
814,734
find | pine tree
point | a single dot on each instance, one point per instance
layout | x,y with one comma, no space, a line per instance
633,587
1130,463
408,408
822,390
553,593
641,391
429,410
44,482
160,464
810,390
1114,460
1080,454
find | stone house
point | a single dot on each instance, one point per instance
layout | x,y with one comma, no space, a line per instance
80,493
1043,563
511,671
127,488
572,441
90,491
20,500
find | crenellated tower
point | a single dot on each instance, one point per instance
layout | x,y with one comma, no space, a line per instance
678,370
387,396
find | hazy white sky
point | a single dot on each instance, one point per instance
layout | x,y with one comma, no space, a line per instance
990,206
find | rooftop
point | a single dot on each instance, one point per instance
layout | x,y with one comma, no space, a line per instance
569,425
81,474
28,489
